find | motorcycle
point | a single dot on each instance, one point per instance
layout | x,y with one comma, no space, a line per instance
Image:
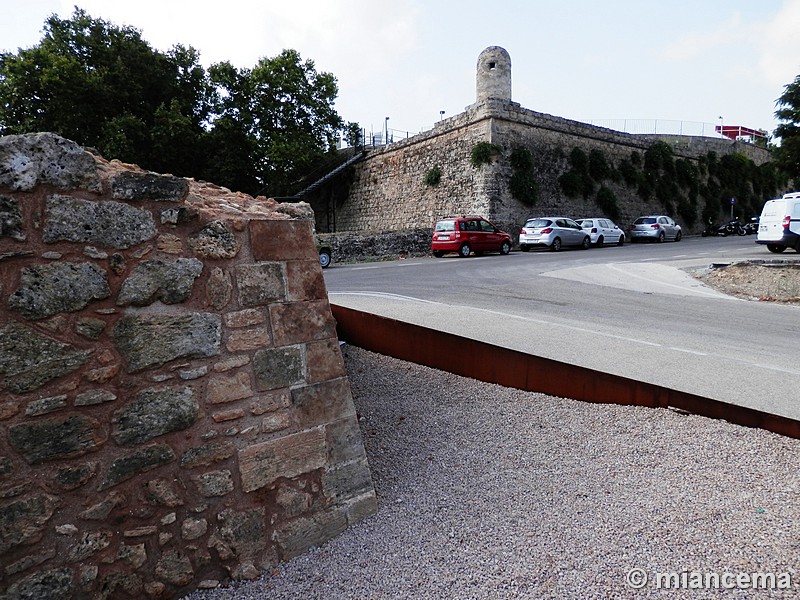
732,227
751,227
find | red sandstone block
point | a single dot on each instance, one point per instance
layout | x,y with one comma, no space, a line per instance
228,389
282,240
305,281
288,456
248,339
324,361
228,415
300,322
322,403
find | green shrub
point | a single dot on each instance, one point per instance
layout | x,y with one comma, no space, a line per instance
598,167
433,176
482,153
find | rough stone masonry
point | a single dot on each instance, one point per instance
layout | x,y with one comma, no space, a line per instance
174,409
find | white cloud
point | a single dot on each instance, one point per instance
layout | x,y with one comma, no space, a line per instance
779,59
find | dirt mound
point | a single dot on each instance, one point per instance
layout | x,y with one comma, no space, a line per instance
767,281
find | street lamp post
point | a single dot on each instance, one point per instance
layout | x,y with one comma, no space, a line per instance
721,127
386,131
441,115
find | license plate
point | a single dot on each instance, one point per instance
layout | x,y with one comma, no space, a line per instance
444,237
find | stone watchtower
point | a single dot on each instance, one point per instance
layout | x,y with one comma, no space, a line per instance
494,75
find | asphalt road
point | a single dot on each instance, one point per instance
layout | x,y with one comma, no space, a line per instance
632,310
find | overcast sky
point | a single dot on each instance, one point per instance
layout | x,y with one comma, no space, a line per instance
589,60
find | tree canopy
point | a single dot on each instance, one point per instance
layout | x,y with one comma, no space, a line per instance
788,153
254,130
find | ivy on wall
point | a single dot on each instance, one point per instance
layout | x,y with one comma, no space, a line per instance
682,187
523,184
482,153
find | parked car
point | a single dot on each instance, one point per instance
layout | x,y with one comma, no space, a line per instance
324,253
553,233
602,231
465,234
656,228
779,224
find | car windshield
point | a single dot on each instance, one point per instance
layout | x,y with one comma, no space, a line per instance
644,221
446,226
538,223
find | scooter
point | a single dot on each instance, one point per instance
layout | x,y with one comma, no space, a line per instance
751,227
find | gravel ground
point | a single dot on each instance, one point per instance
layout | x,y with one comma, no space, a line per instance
490,492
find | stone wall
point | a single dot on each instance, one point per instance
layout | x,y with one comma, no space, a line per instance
388,190
175,410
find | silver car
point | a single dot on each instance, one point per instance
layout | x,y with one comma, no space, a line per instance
657,228
602,231
553,233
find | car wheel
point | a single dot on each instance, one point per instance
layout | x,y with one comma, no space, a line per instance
678,236
464,251
600,241
775,248
661,237
621,240
324,259
438,253
505,248
587,243
556,245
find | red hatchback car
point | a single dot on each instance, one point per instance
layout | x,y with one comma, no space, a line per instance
465,234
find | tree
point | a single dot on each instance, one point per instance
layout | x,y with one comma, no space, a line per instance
788,153
280,114
104,86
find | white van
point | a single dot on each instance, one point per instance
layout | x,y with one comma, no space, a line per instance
779,225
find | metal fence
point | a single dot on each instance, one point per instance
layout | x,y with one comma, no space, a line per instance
660,127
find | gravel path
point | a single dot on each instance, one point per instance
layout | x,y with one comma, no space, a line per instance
489,492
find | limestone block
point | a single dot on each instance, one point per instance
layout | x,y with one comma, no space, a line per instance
147,341
23,521
45,158
298,535
152,280
241,534
154,412
208,454
133,185
109,224
219,288
322,402
260,284
54,584
289,456
214,483
11,224
278,367
175,568
63,437
162,492
46,290
73,477
29,359
137,462
215,240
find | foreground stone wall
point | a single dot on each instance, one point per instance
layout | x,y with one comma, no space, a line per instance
174,406
389,192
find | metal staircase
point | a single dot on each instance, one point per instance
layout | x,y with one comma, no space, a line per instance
329,173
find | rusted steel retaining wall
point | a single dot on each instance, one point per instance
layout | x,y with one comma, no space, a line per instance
511,368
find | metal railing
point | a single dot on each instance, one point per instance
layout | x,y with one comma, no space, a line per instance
660,127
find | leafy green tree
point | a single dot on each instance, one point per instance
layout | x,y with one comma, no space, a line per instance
788,153
279,114
104,86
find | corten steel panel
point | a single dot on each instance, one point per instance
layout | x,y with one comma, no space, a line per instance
511,368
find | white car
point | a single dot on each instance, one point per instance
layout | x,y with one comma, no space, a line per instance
553,233
602,231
